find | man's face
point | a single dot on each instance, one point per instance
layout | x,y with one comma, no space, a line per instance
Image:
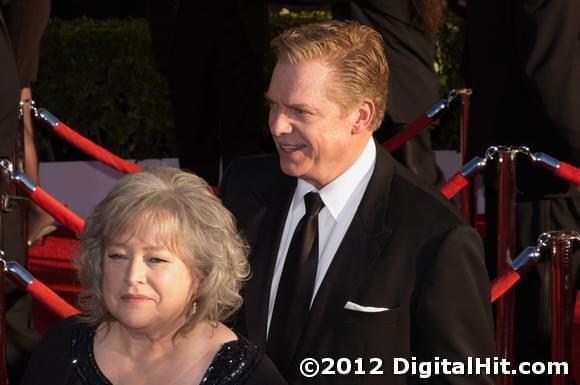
313,136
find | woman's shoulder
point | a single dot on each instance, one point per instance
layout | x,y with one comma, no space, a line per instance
252,365
234,363
51,361
61,333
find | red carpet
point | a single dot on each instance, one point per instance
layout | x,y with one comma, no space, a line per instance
49,261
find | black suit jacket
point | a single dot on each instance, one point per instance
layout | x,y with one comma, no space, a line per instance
406,249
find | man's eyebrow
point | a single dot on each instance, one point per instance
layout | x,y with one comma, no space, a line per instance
305,107
299,106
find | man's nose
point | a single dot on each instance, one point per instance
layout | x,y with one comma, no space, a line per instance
279,123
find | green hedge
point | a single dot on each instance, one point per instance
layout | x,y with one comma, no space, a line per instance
448,63
100,79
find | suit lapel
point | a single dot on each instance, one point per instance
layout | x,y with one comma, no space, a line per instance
267,230
354,259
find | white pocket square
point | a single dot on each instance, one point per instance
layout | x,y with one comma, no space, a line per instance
365,309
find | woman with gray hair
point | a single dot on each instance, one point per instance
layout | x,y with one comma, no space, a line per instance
162,265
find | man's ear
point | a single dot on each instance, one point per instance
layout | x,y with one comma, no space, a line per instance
363,116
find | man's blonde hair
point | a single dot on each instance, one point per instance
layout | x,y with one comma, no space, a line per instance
355,53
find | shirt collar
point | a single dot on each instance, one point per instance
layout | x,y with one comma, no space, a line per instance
336,194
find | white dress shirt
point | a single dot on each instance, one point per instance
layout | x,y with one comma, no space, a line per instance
341,199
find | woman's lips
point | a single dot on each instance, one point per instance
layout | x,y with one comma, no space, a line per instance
135,298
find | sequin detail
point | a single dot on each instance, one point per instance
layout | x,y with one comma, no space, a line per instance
233,364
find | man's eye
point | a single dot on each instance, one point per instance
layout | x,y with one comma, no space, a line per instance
299,111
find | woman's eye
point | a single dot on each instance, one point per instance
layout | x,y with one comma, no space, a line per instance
116,256
156,260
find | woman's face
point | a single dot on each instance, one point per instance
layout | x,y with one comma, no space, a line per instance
146,287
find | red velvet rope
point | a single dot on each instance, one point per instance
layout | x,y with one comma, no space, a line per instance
568,172
503,283
453,185
58,211
94,150
407,133
50,299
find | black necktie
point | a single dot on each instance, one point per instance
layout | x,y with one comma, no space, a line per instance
296,286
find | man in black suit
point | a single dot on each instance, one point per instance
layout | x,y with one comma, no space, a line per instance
381,266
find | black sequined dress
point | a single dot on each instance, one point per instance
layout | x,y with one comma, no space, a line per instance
65,357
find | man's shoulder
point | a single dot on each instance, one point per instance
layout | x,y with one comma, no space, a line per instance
409,194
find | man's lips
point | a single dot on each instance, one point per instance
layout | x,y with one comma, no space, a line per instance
291,147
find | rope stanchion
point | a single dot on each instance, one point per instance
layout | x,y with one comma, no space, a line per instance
560,169
85,145
467,199
503,283
519,267
58,211
48,203
39,291
407,133
562,245
411,130
461,178
506,228
559,246
568,172
455,184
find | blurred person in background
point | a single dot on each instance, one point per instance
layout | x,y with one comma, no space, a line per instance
409,32
22,23
212,53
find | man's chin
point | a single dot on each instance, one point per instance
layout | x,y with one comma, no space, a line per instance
290,169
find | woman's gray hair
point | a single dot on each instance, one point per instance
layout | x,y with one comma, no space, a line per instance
192,223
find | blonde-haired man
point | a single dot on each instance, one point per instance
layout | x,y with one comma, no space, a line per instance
352,257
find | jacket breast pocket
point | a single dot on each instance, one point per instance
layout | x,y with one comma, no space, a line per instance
362,319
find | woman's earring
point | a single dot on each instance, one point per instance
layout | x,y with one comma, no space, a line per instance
194,308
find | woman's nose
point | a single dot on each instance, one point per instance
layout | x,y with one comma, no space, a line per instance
136,271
